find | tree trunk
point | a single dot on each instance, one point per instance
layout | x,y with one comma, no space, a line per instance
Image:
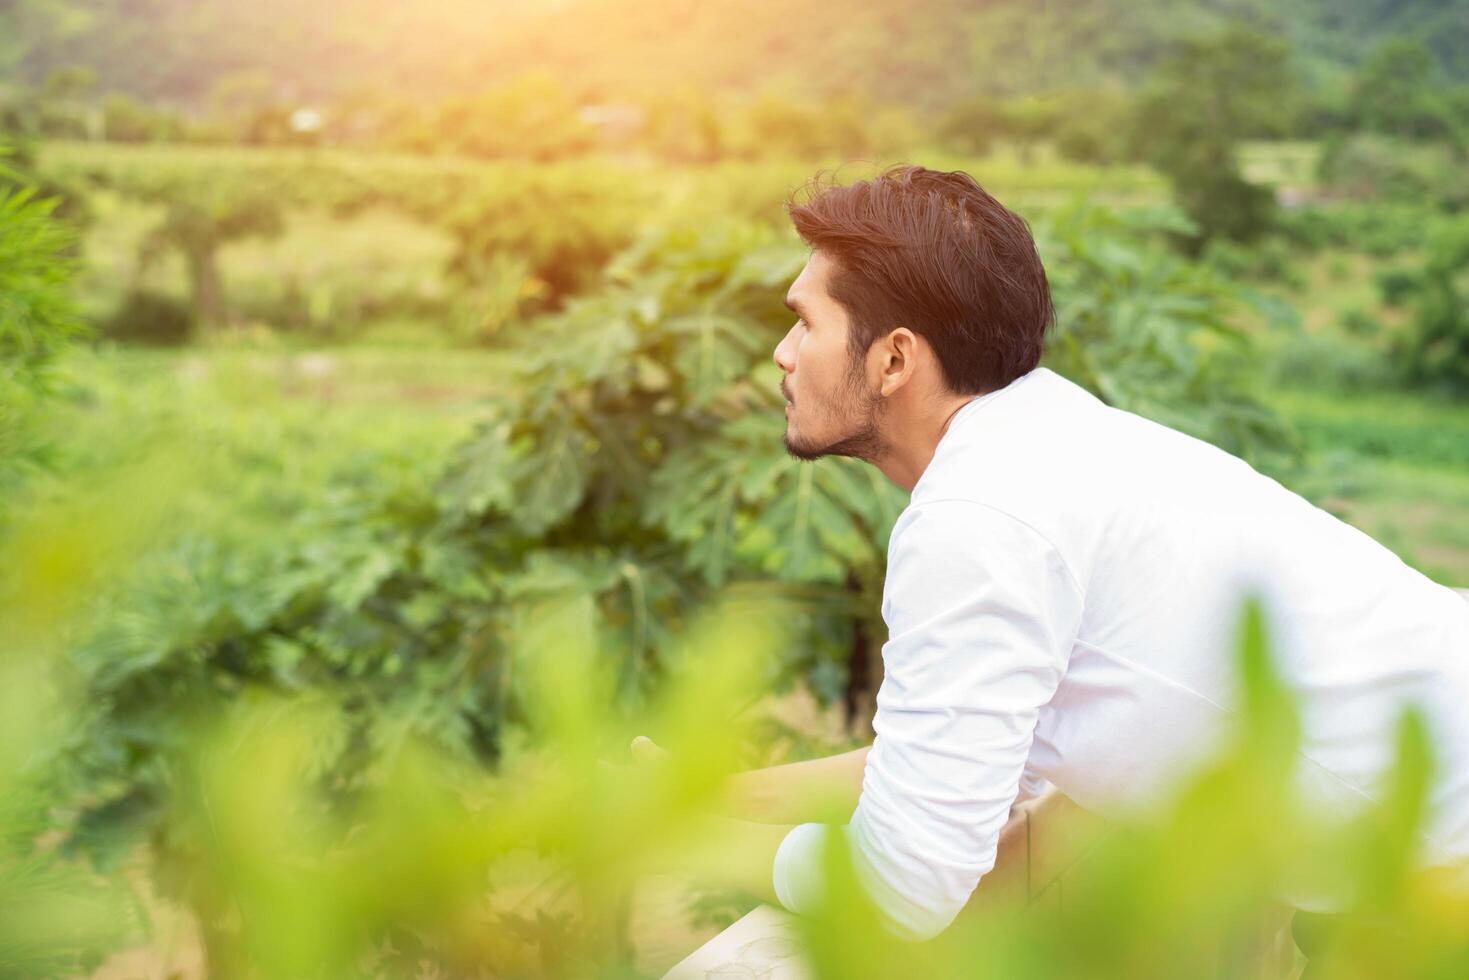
859,698
208,291
222,959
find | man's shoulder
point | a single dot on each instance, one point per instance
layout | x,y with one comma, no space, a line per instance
1054,448
1093,481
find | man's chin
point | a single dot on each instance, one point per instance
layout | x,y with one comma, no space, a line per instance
858,447
801,450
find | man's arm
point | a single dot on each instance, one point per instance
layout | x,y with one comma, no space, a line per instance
733,853
813,791
816,790
982,614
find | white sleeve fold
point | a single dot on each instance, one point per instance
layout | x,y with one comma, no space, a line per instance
982,613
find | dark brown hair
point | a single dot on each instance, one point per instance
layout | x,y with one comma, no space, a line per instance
932,251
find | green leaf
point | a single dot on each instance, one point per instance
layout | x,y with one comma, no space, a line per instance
712,351
361,579
548,474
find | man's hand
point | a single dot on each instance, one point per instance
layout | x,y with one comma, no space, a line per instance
644,749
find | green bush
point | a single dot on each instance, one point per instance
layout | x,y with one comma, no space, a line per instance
1397,286
150,318
1358,322
972,126
1369,166
1091,127
54,919
1158,335
1436,348
38,321
1273,258
565,222
1380,228
1318,361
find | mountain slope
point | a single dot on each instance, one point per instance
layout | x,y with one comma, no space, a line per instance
924,54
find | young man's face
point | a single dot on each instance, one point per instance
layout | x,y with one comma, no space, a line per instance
830,409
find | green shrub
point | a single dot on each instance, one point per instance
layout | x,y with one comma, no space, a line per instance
972,126
1397,286
1382,229
1368,166
565,222
1358,322
54,919
38,321
1158,335
1436,348
151,318
1273,258
1091,127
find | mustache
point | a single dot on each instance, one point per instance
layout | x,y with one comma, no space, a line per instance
783,393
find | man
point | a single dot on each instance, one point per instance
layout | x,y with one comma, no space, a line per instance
1063,587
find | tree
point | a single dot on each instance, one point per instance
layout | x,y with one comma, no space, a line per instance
1436,347
1091,125
534,116
1396,92
1028,119
198,220
972,125
684,126
1204,97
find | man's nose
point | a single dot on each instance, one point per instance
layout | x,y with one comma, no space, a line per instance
783,352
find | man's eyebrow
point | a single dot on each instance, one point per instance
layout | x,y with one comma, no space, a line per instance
795,307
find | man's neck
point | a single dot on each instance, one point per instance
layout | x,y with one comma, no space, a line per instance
911,443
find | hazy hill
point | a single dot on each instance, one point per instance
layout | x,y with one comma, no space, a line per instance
924,53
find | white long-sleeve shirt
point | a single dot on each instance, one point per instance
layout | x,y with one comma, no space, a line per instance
1062,598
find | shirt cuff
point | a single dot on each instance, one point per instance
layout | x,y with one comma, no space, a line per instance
799,879
797,873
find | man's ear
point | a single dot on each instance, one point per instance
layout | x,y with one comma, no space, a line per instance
897,360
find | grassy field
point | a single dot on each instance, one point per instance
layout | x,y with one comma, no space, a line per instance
329,267
1400,466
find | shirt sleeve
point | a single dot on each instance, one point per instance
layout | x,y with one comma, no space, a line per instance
1031,786
982,613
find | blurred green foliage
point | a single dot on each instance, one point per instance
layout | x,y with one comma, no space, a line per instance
437,865
198,220
1205,96
150,317
1154,334
1436,348
37,320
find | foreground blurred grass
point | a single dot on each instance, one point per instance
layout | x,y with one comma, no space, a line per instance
290,881
525,872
